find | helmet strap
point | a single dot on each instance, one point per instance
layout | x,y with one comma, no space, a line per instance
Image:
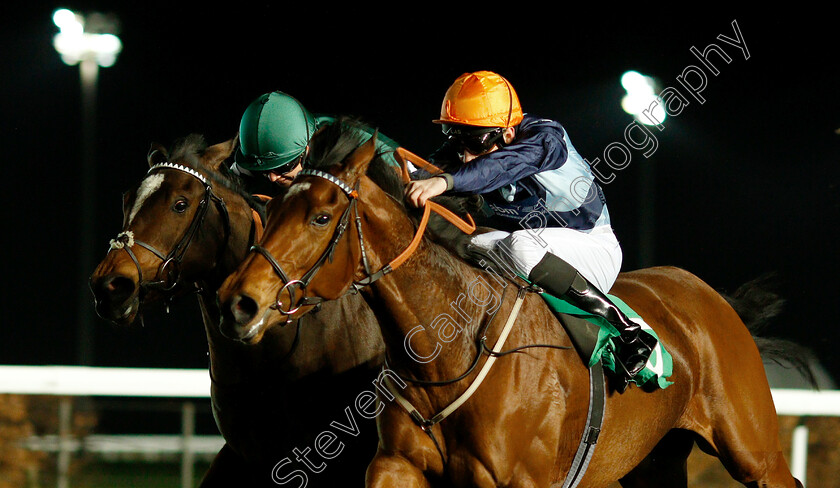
510,101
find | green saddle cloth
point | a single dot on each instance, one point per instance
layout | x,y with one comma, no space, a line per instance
596,342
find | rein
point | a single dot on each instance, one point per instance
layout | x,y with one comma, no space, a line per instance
467,227
352,194
597,399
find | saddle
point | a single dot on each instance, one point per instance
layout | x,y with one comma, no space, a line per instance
591,335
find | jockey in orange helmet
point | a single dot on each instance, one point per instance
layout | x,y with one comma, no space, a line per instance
528,172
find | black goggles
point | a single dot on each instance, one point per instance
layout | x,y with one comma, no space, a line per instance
258,163
475,141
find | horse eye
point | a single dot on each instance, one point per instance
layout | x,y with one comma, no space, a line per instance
321,220
180,206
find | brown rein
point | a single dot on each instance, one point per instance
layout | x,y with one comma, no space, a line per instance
352,194
466,227
404,156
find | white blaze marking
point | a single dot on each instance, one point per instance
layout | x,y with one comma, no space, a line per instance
149,186
297,188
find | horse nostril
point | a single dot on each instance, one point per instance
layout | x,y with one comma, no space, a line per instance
116,287
244,309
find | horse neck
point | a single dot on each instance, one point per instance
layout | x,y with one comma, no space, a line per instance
235,363
340,338
237,244
433,290
230,361
282,354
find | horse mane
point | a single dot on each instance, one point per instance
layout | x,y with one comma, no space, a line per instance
189,150
333,143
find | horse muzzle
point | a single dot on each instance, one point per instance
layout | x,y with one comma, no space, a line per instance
240,321
116,298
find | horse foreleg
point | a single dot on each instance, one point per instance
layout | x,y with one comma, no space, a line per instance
229,469
666,465
388,470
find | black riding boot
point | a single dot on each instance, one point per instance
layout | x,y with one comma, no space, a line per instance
559,278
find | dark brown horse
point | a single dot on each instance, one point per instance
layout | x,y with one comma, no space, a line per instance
272,401
522,426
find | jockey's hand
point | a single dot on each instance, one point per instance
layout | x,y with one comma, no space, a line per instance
418,191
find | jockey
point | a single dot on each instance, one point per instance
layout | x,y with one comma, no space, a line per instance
274,136
555,227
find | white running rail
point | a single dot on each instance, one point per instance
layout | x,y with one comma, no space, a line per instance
67,381
192,384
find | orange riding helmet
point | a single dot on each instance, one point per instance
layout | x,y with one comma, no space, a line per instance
482,99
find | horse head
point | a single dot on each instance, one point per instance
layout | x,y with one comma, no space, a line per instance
180,226
312,249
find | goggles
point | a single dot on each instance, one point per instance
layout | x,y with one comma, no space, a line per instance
476,141
267,163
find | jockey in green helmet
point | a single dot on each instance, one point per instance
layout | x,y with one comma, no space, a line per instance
274,136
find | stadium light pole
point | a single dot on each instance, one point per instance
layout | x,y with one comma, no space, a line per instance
642,102
91,43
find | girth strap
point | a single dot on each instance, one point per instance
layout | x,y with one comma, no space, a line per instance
594,420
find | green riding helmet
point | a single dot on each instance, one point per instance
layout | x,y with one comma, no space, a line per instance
273,134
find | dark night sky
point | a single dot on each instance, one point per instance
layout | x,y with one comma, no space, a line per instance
746,183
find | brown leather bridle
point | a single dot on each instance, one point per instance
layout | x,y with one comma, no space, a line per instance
168,274
353,197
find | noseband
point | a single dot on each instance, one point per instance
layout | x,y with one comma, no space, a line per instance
169,272
353,195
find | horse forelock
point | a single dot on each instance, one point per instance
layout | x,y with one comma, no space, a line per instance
189,151
330,147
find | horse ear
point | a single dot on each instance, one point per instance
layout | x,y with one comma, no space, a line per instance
157,154
217,154
359,160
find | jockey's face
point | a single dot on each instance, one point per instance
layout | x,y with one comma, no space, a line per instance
283,179
466,155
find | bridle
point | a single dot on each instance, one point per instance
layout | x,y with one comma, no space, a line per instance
467,227
353,197
493,353
168,273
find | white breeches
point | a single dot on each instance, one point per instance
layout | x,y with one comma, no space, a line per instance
595,255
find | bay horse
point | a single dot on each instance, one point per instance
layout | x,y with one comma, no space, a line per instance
190,221
522,426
